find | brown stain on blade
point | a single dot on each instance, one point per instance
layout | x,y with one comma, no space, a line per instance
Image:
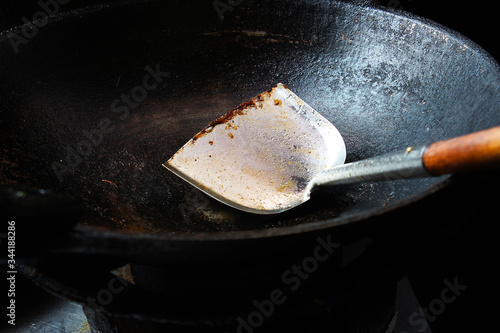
241,109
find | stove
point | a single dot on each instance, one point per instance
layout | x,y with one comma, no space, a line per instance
384,310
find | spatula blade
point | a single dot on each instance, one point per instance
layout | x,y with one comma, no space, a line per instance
261,156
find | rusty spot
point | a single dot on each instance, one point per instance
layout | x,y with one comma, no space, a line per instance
211,142
239,110
278,102
231,135
109,182
125,273
229,126
285,186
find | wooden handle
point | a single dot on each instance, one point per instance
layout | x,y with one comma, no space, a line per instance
465,153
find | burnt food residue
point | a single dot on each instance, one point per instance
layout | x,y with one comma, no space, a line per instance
239,110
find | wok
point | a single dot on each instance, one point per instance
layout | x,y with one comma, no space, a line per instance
99,98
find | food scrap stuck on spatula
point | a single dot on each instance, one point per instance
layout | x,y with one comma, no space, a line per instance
261,156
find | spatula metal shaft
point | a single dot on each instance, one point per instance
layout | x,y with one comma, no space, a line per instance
398,165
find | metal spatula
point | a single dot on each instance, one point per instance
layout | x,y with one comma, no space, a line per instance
266,155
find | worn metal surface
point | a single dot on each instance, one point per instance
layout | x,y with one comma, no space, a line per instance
261,156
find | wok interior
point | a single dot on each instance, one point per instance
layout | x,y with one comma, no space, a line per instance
385,81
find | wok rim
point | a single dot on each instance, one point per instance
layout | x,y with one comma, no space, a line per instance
310,227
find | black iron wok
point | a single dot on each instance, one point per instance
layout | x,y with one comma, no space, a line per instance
93,103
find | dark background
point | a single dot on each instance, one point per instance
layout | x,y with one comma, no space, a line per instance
477,20
471,253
